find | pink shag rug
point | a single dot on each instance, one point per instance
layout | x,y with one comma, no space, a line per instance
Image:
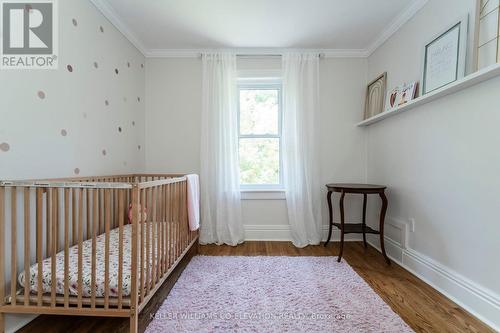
273,294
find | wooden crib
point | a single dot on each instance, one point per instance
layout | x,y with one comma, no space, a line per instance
108,242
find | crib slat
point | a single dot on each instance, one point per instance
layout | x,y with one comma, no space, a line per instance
66,247
39,244
73,219
80,247
120,247
47,223
95,207
13,244
142,241
136,226
87,229
153,236
55,218
27,274
107,218
157,234
148,243
162,227
2,251
176,219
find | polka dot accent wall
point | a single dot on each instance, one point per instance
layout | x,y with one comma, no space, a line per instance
81,113
4,146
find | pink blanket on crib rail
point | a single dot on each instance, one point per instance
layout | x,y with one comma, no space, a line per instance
193,192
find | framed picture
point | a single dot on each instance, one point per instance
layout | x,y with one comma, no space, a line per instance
393,98
375,96
408,93
444,57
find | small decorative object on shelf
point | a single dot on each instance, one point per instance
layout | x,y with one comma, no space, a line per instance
488,23
393,98
444,57
375,96
408,93
399,96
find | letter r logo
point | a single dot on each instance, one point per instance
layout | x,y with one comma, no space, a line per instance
27,28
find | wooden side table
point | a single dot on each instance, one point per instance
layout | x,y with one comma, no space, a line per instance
360,228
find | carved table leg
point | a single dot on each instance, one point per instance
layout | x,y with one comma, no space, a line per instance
329,200
341,226
382,220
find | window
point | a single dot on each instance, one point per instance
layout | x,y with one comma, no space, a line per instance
260,134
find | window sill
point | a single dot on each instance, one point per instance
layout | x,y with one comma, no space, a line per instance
263,194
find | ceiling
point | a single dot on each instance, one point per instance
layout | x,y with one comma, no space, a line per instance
176,26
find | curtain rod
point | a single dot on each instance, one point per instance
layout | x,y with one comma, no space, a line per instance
321,55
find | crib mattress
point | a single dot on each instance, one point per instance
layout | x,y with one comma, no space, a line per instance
87,266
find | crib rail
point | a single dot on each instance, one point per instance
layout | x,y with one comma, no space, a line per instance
39,219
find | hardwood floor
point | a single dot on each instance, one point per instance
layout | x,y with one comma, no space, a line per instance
422,307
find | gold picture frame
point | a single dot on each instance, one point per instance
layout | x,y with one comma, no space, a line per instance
375,96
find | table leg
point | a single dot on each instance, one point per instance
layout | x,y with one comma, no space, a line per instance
381,228
329,200
365,198
341,225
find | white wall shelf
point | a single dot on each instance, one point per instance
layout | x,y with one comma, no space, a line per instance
468,81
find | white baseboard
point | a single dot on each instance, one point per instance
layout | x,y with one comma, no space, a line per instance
281,233
482,303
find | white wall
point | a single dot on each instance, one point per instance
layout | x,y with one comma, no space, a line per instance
75,102
173,115
441,163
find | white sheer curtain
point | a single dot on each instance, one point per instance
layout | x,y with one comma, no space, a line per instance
221,221
300,146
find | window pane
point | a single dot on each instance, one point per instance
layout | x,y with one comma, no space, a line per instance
259,111
259,161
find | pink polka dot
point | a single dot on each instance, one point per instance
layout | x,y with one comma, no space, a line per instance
41,94
64,132
75,23
119,129
4,146
70,68
138,99
116,70
76,171
106,102
96,65
104,152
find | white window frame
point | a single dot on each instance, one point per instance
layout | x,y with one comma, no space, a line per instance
263,84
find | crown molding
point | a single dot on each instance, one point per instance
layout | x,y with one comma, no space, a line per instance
395,25
109,12
195,53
